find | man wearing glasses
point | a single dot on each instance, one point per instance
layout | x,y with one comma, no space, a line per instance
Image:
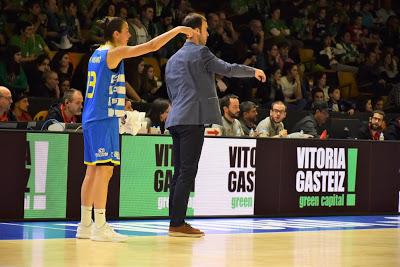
5,104
272,126
309,124
373,130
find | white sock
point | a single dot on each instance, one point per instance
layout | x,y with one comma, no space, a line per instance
99,217
86,215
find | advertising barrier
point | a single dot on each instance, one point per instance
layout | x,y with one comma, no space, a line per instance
43,172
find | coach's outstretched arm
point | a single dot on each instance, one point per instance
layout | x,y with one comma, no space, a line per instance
216,65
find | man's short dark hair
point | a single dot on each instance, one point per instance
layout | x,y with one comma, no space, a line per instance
246,107
225,101
193,20
319,105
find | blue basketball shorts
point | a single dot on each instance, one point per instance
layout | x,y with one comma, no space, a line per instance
101,142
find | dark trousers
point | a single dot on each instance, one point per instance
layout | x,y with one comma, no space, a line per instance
187,144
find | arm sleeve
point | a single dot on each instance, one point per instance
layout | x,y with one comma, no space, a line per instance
216,65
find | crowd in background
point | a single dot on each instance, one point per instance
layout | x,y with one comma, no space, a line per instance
356,37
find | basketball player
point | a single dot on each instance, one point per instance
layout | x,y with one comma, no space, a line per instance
104,104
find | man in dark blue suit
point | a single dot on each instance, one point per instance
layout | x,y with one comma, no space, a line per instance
191,87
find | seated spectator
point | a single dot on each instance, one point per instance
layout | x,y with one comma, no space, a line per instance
61,64
310,123
392,132
369,76
291,87
374,128
317,95
337,104
254,38
272,126
69,108
150,83
283,57
378,103
158,114
230,112
35,16
248,117
365,105
73,27
346,51
274,85
12,75
20,107
64,83
275,27
388,68
5,104
321,26
35,72
271,57
32,45
320,82
49,86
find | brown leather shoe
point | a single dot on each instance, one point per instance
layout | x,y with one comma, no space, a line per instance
185,230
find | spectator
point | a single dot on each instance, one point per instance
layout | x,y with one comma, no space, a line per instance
275,27
378,103
35,16
337,104
61,64
374,128
49,87
12,75
64,83
5,104
69,108
310,123
272,126
274,85
346,51
20,107
158,114
73,26
317,95
32,45
35,72
248,117
230,110
392,132
365,105
291,87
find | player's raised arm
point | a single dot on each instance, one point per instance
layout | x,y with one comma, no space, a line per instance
116,54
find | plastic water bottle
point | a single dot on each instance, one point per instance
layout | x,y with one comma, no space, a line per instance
251,133
301,132
381,137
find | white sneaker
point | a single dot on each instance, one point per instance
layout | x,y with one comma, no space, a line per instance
107,234
84,232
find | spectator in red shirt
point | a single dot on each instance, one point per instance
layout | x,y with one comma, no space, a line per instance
5,104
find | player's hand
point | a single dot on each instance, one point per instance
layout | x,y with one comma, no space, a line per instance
188,31
260,75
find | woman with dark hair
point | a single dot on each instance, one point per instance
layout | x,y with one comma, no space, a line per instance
12,75
61,64
35,73
104,105
158,114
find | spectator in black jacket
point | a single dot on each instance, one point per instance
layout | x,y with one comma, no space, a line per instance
372,130
392,132
69,108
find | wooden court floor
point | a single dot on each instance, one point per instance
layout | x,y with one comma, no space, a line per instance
365,247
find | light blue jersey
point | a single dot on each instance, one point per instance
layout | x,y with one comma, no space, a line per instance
105,91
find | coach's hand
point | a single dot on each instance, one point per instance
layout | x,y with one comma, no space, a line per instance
260,75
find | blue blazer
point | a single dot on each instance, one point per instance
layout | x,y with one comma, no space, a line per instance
189,76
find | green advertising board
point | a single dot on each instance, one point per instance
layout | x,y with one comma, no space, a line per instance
47,184
146,172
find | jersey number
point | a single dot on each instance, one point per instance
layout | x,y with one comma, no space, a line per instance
91,84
